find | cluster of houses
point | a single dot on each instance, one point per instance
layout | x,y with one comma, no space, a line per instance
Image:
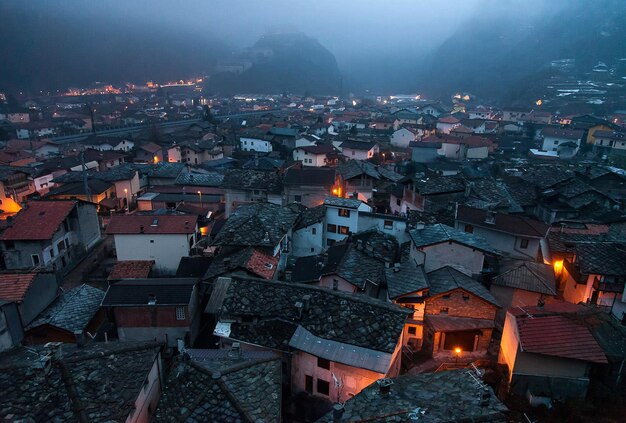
317,264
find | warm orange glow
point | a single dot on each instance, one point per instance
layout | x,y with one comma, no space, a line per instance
156,159
558,267
204,230
337,191
539,102
9,207
457,350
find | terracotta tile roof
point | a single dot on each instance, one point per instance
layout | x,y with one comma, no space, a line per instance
509,223
152,224
559,336
262,264
39,220
13,286
131,269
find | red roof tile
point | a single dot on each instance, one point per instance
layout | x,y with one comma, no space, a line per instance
152,224
39,220
13,286
559,336
131,269
262,264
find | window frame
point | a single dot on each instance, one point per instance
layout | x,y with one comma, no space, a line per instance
180,311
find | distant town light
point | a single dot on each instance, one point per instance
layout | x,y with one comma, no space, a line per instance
539,102
156,159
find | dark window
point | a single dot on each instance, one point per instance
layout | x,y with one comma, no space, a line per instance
388,224
10,245
331,228
463,340
323,387
297,198
466,297
412,330
398,202
308,384
151,241
313,231
344,212
469,229
443,310
330,242
524,243
344,230
323,363
35,259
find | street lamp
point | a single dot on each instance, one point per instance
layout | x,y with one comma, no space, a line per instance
200,194
457,352
127,200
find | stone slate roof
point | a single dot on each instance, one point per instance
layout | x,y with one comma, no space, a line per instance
404,279
546,176
448,279
243,179
257,225
99,382
331,315
193,267
348,203
440,185
136,292
253,260
438,233
528,276
310,176
354,168
71,311
509,223
121,172
450,396
200,179
601,259
310,216
222,389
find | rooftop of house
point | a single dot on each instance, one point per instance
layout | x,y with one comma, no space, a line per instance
266,164
318,149
48,216
72,310
438,184
132,224
405,278
257,224
14,286
131,269
358,145
282,308
503,222
527,276
347,203
450,396
354,168
222,386
601,258
558,336
99,382
310,216
448,279
242,179
255,261
141,292
438,233
213,179
96,187
562,133
310,176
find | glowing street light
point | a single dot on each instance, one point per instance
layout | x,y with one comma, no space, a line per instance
457,353
200,194
127,200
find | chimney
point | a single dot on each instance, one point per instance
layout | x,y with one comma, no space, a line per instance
384,386
306,300
235,350
299,308
338,410
288,274
396,267
359,244
266,238
79,337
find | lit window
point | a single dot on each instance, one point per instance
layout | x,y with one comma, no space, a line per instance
331,228
343,212
180,313
443,310
344,230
